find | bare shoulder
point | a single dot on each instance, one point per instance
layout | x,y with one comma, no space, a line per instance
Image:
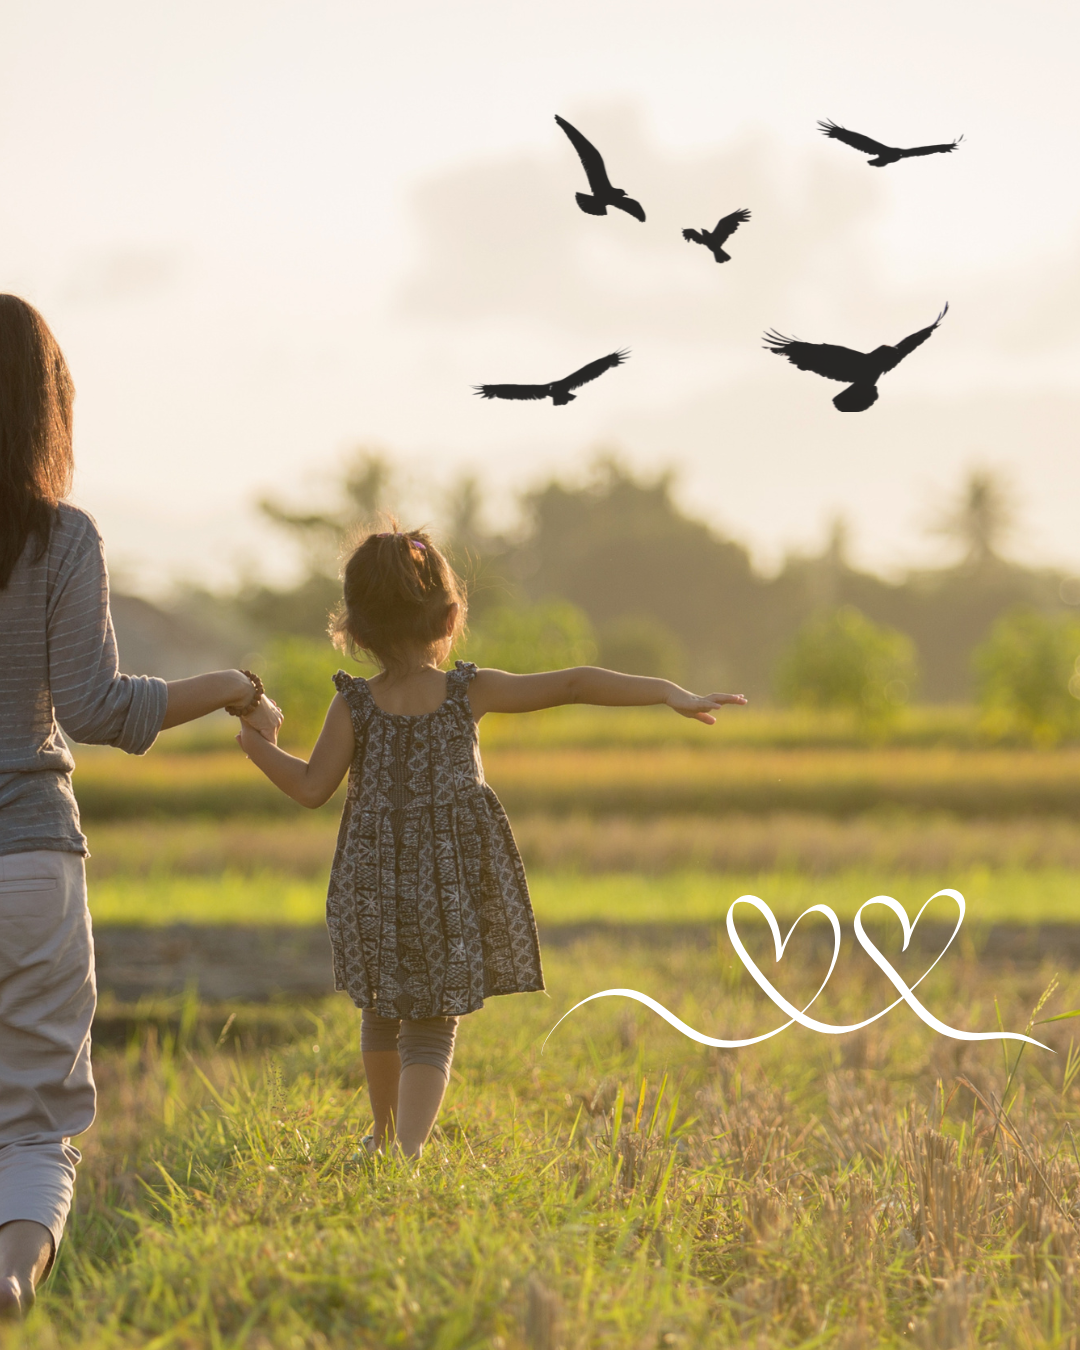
337,727
481,689
500,691
338,715
337,740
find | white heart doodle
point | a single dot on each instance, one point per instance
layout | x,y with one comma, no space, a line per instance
799,1015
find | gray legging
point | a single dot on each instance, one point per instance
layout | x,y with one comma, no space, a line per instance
427,1040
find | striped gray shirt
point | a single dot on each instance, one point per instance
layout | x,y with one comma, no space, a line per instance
58,665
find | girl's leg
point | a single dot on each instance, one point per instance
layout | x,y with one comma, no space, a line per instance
426,1047
382,1068
420,1095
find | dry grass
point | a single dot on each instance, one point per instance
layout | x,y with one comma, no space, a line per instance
786,728
645,782
160,785
811,845
998,783
625,1189
243,846
901,843
560,728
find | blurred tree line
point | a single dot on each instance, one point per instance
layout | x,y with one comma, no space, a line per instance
613,570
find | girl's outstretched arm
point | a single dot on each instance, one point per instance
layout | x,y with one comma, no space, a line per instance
315,781
498,691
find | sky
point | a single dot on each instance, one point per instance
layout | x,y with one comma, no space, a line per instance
269,232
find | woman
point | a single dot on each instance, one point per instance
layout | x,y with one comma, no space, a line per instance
58,669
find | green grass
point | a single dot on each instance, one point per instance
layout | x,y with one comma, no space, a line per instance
842,783
625,1189
883,843
1015,895
714,779
560,728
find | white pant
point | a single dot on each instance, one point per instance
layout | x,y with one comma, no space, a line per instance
47,1000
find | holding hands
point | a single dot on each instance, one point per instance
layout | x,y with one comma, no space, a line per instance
260,727
266,718
257,710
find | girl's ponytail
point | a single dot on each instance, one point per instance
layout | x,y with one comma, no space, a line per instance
398,593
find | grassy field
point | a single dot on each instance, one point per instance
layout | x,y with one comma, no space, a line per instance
818,846
1020,895
626,1188
668,869
665,780
586,727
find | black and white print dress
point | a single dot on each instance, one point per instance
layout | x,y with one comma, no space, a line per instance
428,907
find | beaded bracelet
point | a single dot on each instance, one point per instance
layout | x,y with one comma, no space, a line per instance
235,709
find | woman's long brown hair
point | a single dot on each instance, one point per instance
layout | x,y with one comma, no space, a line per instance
36,461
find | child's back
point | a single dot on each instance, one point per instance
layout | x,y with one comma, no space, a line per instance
428,907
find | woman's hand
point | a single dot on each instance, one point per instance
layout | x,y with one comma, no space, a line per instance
700,707
265,719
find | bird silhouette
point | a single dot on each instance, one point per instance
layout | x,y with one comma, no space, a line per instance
885,154
859,370
714,239
603,194
558,390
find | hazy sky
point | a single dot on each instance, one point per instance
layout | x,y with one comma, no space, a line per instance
267,232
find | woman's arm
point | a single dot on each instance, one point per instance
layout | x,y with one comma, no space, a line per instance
93,701
314,782
202,694
498,691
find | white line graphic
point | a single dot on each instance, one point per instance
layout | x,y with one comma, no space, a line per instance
798,1015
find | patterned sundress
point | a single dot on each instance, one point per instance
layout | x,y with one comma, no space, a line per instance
428,907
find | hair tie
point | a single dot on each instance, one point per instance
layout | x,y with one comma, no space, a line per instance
399,534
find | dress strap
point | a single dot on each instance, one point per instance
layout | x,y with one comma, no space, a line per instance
354,690
459,679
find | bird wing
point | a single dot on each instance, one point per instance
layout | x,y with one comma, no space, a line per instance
908,345
835,363
727,226
592,370
853,138
512,390
631,207
694,236
932,149
591,160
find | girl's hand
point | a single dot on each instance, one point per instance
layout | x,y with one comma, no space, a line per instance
266,719
700,707
249,739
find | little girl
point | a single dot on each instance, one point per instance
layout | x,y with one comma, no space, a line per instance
428,907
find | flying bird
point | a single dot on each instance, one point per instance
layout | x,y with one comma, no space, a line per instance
558,390
885,154
715,239
859,370
603,194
